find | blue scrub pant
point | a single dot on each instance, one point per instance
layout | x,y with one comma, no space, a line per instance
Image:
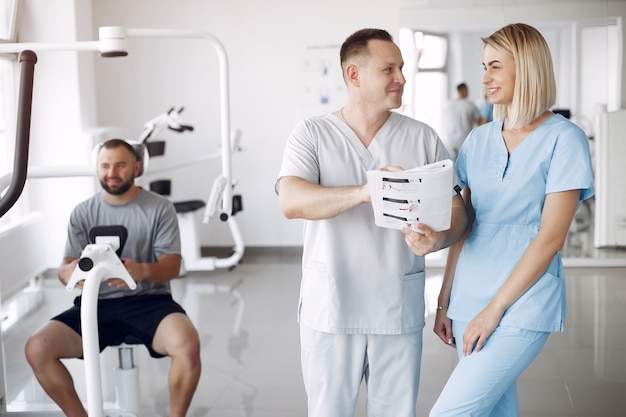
333,366
484,383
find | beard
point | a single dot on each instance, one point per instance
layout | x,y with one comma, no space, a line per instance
119,190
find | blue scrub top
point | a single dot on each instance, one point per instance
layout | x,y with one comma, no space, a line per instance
508,194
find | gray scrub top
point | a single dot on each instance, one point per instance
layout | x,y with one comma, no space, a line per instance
358,277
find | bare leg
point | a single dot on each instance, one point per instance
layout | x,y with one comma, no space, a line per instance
177,337
44,351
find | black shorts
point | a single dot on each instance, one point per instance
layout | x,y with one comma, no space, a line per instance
131,319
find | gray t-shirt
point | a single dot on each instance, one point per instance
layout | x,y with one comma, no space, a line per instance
152,230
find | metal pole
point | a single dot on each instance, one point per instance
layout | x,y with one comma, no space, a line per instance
27,60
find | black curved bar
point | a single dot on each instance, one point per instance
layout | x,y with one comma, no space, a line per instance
27,60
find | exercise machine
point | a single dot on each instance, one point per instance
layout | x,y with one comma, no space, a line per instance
215,207
100,261
112,43
185,210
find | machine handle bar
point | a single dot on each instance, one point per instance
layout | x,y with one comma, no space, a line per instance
27,60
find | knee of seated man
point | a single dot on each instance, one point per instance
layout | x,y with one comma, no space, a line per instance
181,340
40,348
33,350
190,347
188,352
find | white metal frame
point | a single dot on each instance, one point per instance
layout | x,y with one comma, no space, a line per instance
104,263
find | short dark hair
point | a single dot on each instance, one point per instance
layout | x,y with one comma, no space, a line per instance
461,86
116,143
356,43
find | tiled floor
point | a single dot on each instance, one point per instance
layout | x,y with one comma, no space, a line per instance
250,349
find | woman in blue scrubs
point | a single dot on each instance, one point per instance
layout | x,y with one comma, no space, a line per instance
525,174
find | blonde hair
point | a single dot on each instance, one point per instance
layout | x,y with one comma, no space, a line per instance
535,85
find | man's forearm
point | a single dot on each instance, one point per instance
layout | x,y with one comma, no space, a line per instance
65,270
165,269
300,199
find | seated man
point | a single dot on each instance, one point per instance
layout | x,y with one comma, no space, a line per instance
152,257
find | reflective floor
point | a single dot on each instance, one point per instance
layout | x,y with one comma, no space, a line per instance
250,349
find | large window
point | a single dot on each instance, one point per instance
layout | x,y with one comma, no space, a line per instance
426,74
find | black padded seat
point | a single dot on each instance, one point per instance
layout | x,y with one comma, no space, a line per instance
188,206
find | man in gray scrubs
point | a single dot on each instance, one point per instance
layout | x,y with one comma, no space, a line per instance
361,307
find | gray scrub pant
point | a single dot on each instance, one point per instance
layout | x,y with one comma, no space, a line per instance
334,365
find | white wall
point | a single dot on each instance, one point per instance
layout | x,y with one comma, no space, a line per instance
22,238
267,42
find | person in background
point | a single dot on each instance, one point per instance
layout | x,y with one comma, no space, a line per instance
524,175
486,110
462,116
148,314
361,307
